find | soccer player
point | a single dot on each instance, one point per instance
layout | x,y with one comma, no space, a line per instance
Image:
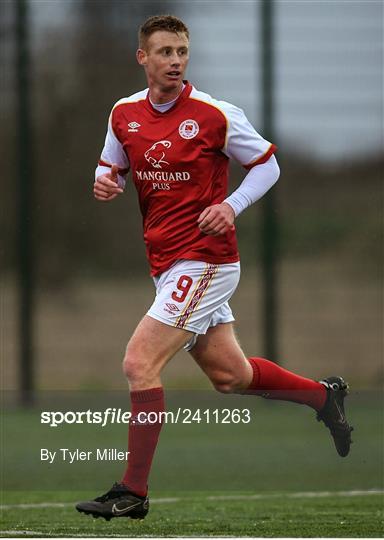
177,142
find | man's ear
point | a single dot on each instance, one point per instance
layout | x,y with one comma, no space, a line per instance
141,57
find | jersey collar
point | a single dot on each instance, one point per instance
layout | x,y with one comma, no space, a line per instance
182,97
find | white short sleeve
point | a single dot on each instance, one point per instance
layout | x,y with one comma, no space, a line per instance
243,143
113,153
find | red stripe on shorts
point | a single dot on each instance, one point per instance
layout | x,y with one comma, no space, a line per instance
198,294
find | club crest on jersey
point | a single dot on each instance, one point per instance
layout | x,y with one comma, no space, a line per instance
155,155
133,127
188,129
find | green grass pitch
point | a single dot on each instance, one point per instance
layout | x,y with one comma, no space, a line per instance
200,514
278,476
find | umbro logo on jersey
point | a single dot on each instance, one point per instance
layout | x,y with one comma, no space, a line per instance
133,127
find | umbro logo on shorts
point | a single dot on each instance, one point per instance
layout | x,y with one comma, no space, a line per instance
171,308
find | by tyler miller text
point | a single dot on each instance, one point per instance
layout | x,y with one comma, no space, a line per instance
72,456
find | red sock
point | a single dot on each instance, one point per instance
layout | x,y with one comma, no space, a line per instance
142,437
274,382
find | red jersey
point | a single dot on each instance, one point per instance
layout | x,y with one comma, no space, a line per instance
179,164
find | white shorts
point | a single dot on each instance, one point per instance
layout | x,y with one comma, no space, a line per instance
194,295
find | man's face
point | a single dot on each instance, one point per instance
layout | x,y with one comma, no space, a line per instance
165,59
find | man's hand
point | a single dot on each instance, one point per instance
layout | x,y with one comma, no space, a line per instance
105,187
217,219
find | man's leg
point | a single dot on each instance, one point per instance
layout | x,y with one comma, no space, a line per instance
152,345
220,356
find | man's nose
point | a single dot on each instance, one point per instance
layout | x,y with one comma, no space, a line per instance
175,60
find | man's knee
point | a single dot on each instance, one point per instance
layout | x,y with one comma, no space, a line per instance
142,362
135,365
225,383
149,349
131,369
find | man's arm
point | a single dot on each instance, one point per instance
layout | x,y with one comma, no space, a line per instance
112,168
219,218
258,181
250,149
